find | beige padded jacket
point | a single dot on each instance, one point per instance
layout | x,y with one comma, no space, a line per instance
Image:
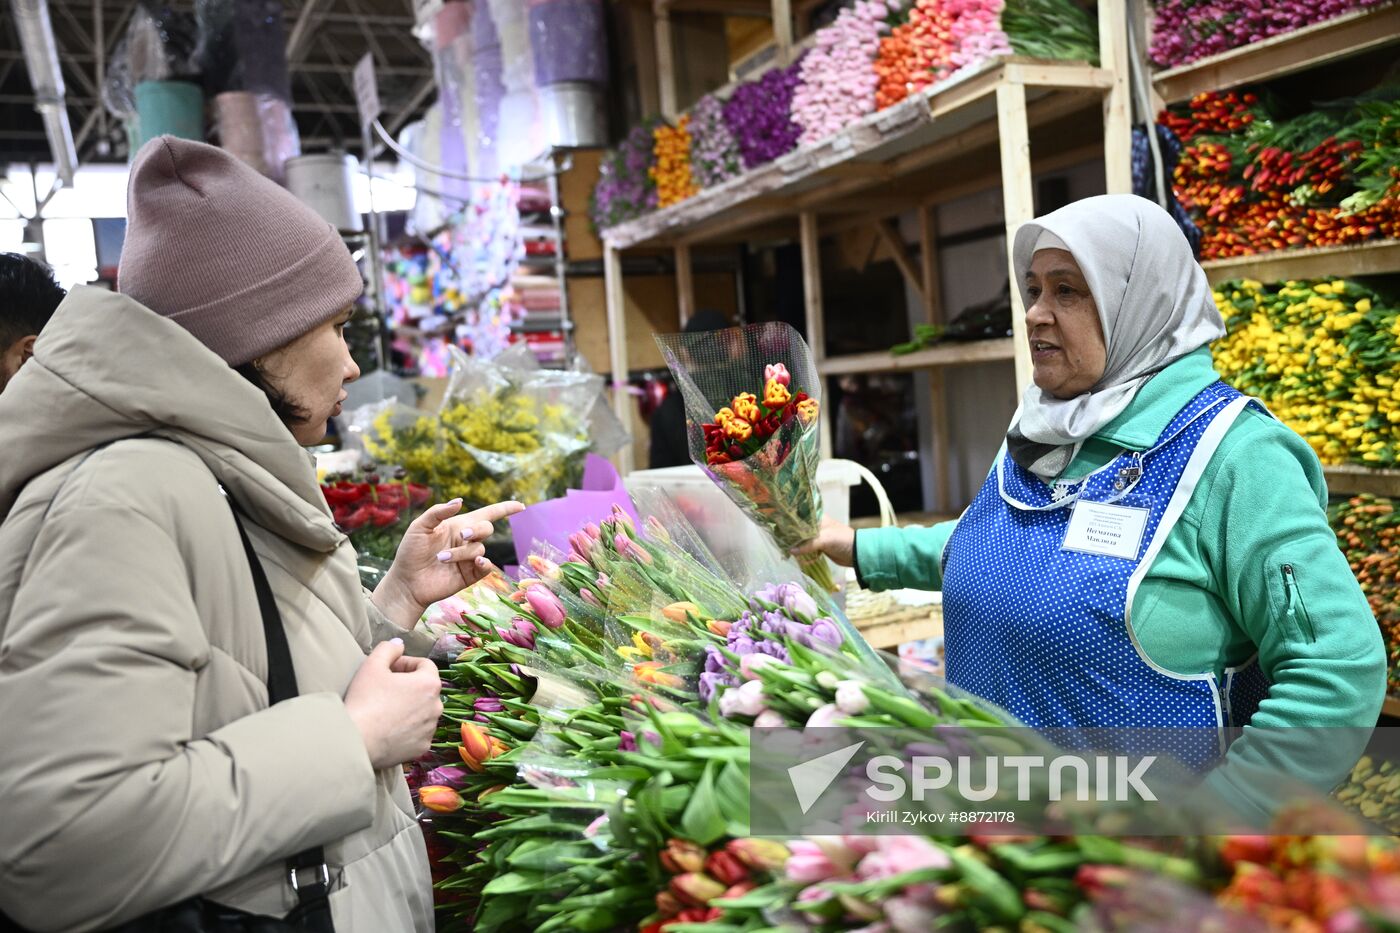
139,762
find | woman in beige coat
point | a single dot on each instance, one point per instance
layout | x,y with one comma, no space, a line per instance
140,763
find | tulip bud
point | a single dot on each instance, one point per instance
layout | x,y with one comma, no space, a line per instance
547,569
696,888
769,719
680,612
719,627
494,789
587,596
751,664
488,705
667,904
656,530
439,799
546,606
621,517
448,776
851,698
682,855
476,745
726,868
759,854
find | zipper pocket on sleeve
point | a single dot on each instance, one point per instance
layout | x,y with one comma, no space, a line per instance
1295,609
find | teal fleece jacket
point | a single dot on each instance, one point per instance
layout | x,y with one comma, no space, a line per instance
1216,592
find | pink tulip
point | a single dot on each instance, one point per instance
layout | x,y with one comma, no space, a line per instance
825,717
777,371
546,606
898,854
808,863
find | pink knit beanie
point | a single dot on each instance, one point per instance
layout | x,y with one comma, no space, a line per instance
227,254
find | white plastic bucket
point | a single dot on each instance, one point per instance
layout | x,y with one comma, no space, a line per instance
325,182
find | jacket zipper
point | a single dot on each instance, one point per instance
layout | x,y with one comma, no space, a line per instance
1297,613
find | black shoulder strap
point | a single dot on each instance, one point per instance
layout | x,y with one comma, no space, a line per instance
313,907
281,676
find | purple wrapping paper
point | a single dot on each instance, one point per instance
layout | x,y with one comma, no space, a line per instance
553,520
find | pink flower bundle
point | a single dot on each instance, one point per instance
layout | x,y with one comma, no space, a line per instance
1186,30
976,32
837,81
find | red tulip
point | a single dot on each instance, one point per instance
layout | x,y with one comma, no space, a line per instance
725,868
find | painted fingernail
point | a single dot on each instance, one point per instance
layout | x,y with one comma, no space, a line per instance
466,535
482,562
396,641
444,556
456,501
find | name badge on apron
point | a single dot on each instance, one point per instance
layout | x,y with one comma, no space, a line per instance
1110,530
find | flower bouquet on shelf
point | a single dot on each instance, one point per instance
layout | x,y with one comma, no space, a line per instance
762,450
374,505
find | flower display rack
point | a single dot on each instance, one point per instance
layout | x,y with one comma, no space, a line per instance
1318,44
948,137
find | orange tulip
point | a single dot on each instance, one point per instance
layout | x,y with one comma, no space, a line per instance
651,672
680,612
439,799
807,410
476,743
775,394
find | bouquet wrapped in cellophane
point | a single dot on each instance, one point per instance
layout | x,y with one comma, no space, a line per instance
752,400
506,429
594,769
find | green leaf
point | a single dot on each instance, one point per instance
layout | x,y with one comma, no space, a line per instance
512,882
702,821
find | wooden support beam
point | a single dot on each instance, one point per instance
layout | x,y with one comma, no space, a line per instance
809,237
938,391
685,284
782,29
889,233
1117,103
1018,206
666,63
617,351
928,266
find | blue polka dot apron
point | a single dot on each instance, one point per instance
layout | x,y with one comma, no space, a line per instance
1037,614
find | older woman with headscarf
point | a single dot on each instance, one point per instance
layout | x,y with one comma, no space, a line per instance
1151,547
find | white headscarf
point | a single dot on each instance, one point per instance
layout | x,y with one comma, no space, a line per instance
1154,303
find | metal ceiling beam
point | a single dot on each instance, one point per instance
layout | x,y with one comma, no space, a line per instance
297,39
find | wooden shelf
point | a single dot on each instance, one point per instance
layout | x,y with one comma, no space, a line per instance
1378,258
1339,38
1348,479
1391,707
948,354
940,124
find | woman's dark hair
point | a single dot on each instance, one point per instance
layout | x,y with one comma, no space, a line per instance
282,406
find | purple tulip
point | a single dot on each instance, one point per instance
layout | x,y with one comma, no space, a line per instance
827,632
758,114
626,741
521,633
489,705
448,776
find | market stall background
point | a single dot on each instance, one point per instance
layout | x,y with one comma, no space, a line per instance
551,183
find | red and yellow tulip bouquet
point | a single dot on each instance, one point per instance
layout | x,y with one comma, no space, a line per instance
761,449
